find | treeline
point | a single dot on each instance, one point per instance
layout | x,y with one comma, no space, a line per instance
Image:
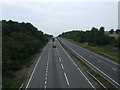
20,41
93,37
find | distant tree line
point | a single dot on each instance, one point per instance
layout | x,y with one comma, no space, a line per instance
93,37
112,31
20,41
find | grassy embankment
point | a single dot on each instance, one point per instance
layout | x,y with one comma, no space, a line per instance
105,50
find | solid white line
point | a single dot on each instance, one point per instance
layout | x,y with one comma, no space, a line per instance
35,68
93,65
86,78
21,86
62,66
97,80
66,78
76,65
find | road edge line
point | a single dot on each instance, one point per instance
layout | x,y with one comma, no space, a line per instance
35,68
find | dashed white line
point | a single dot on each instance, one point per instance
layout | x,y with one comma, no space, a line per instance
62,66
76,65
45,82
92,64
60,59
45,87
46,74
114,69
66,79
45,78
35,68
47,70
47,64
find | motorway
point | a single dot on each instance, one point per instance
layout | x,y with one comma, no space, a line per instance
107,67
55,69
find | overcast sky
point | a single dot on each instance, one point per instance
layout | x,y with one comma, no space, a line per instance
56,17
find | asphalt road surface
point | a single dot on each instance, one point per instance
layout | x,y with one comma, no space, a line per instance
55,69
107,67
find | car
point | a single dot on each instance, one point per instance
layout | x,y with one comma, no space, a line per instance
54,46
53,39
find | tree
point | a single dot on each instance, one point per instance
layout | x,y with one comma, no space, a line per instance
20,42
111,31
117,31
92,37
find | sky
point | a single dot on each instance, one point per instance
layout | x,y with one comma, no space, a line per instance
57,16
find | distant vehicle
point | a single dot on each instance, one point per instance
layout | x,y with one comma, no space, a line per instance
54,46
53,39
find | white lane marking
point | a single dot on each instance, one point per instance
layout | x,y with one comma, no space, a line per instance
45,78
47,69
35,68
66,79
73,61
97,80
62,66
86,78
60,59
58,54
45,82
93,65
46,74
114,69
45,87
21,87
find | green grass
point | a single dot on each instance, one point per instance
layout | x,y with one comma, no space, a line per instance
87,68
14,83
105,50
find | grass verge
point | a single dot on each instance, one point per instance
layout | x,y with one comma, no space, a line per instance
14,83
81,64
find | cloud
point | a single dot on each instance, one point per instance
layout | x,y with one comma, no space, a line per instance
55,17
20,1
